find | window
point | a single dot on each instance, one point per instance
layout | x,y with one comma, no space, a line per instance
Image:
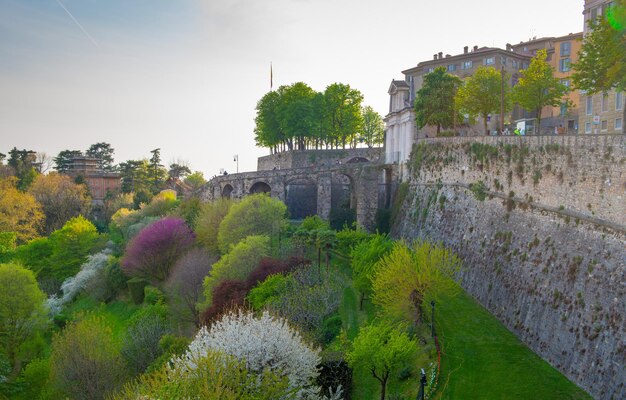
451,67
566,49
587,127
466,65
563,109
514,64
503,60
605,125
525,65
490,61
618,124
619,101
605,102
589,105
564,65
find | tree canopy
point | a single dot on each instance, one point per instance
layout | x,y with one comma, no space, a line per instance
104,153
434,104
296,117
480,94
19,212
537,87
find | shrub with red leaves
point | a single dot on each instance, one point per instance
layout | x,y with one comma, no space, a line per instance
232,294
152,253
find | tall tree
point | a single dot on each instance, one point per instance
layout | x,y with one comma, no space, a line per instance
480,95
60,198
601,64
373,130
537,87
134,175
22,310
267,129
295,113
19,212
157,172
178,171
343,110
63,160
23,163
434,104
104,153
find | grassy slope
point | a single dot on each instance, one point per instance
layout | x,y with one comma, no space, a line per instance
483,360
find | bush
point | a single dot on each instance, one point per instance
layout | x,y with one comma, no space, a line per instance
313,223
160,205
365,257
257,214
7,241
189,210
267,291
85,362
341,217
331,328
208,223
71,245
34,380
136,289
110,283
156,248
348,238
152,295
236,265
171,346
141,343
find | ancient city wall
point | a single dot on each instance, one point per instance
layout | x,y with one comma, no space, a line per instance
316,158
541,225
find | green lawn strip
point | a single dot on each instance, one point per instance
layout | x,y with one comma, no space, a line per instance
482,360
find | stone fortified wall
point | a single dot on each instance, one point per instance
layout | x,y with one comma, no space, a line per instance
316,158
540,223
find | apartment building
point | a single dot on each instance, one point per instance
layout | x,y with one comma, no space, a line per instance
601,113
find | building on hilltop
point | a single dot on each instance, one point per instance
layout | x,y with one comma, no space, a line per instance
98,181
601,113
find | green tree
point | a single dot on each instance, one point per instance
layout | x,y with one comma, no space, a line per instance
135,174
70,247
104,153
295,113
85,361
195,180
537,87
178,171
480,94
19,212
381,348
434,104
63,160
22,311
373,130
257,214
237,264
267,128
157,173
22,162
601,64
343,111
406,276
365,256
208,223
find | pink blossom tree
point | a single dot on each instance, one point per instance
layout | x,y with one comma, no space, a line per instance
152,253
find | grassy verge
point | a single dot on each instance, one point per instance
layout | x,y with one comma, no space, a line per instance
483,360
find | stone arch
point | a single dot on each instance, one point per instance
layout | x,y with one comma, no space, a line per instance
260,187
356,160
227,191
343,200
301,198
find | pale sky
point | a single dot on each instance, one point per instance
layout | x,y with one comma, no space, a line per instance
185,75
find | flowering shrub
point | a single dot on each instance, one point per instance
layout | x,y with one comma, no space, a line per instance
74,285
156,248
264,343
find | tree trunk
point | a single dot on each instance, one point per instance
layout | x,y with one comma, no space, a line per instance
485,123
538,121
438,129
383,387
361,302
417,298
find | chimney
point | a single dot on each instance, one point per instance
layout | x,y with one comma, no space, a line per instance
475,48
447,55
465,49
434,56
509,47
440,55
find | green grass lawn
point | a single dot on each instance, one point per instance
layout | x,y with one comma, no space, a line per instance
483,360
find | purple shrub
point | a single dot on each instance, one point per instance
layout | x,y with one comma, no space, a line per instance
152,253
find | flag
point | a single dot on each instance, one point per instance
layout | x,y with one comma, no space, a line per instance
271,77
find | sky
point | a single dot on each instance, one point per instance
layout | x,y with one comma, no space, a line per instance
185,75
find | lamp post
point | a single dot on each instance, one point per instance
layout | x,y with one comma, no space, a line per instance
432,319
422,393
236,159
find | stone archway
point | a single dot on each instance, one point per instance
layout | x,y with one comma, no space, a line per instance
343,201
260,187
227,191
301,198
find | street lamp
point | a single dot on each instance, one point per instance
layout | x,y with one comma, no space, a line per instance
422,393
236,159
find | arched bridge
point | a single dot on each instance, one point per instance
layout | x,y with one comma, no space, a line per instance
313,190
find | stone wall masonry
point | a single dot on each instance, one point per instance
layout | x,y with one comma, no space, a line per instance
316,158
550,267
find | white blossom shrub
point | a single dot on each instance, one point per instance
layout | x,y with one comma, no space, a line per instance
74,285
263,342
